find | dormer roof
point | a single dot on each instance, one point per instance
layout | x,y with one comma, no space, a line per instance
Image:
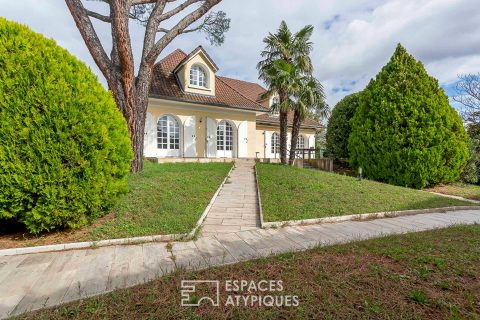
192,54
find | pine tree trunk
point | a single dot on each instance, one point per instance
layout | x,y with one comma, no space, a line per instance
297,121
137,138
133,106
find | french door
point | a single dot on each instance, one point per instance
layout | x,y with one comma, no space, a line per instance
224,140
168,137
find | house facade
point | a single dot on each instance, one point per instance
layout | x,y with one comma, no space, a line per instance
195,113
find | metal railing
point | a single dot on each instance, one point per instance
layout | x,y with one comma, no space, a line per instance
305,153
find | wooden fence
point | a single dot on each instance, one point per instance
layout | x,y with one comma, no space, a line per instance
324,164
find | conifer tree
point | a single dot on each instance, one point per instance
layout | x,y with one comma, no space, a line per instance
404,131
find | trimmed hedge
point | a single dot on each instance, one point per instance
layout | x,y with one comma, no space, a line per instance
339,127
64,147
404,131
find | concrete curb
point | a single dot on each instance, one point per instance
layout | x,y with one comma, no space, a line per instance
259,197
453,197
365,216
114,242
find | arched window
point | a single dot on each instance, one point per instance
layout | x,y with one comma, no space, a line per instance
168,133
198,76
301,142
275,143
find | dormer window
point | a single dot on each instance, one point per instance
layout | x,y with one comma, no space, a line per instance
198,76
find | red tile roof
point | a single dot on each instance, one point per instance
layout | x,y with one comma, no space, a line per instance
267,118
229,92
250,90
165,85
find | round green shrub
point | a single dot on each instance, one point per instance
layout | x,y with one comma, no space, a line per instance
404,131
64,147
339,127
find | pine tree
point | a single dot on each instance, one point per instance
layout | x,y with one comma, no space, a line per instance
404,131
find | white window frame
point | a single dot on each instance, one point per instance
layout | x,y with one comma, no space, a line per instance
225,139
275,144
168,136
302,144
198,77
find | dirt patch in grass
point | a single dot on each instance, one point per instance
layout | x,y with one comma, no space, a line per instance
162,199
428,275
468,191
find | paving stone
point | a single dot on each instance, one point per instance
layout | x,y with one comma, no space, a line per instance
9,266
228,205
298,236
220,228
178,246
214,221
120,270
189,259
210,247
239,249
156,260
41,280
228,237
390,227
223,259
242,210
7,305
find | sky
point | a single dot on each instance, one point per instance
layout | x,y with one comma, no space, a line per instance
352,39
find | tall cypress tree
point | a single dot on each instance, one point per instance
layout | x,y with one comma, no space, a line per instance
404,131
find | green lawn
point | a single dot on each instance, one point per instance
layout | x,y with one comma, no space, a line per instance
162,199
290,193
427,275
469,191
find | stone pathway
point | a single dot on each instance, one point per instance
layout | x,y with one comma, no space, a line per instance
236,206
34,281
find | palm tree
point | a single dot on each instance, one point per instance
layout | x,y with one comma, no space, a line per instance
309,101
293,50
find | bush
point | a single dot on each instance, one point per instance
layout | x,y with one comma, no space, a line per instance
470,173
339,127
404,131
64,146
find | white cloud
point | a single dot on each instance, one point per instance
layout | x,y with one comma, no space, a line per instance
360,37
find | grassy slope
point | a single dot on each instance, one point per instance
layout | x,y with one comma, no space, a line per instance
290,193
469,191
162,199
428,275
